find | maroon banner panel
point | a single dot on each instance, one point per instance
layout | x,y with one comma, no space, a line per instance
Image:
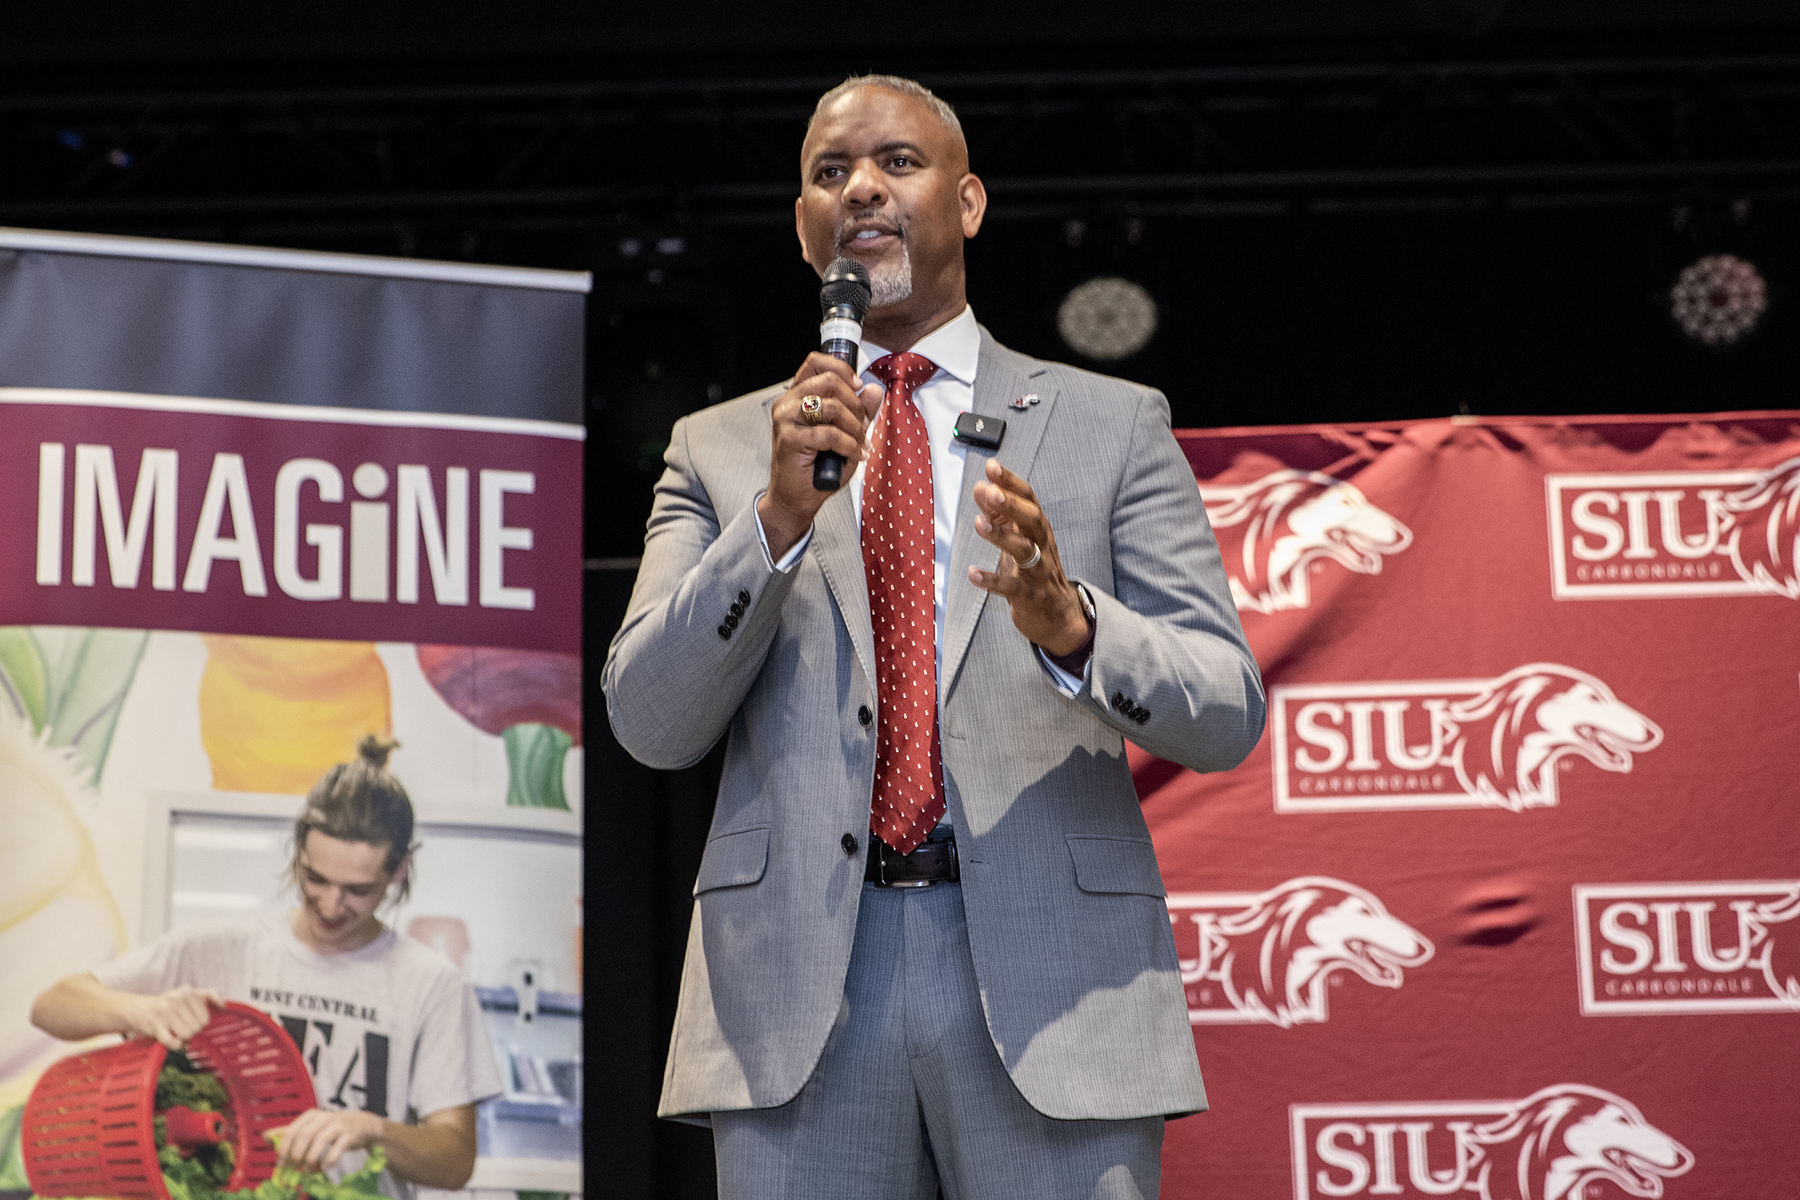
1506,904
155,512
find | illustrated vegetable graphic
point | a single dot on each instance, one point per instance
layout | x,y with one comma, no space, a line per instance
61,691
57,914
530,698
276,713
70,684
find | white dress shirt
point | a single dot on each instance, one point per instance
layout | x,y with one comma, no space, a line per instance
955,348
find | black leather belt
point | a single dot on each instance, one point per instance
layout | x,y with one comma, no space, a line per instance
934,861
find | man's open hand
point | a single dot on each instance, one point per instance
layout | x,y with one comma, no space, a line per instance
1045,606
788,507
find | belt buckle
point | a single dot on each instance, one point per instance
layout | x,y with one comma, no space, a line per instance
881,870
882,851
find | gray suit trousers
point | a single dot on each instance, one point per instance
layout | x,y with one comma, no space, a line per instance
910,1093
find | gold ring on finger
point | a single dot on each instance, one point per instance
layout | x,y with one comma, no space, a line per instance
1037,556
812,409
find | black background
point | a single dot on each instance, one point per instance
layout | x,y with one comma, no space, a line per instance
1345,210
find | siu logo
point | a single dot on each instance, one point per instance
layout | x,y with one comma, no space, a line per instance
1251,957
1562,1143
1448,743
1272,532
1676,533
1688,947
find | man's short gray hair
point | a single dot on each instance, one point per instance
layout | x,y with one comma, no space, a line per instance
893,83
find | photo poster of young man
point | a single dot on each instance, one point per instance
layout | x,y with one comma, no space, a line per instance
290,688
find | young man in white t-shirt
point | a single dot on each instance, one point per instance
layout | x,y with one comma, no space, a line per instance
389,1029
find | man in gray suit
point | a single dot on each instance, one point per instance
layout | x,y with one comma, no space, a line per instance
930,946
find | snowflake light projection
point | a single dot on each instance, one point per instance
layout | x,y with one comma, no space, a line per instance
1719,300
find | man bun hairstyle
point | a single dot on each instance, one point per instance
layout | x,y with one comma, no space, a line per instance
359,801
893,83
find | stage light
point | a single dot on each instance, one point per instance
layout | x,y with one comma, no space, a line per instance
1719,300
1107,318
671,246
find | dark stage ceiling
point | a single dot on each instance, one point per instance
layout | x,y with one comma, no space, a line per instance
1359,210
793,36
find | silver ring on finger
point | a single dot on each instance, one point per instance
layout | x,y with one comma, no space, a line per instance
1037,556
812,409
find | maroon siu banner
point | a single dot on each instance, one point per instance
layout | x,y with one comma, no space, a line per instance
1505,906
168,512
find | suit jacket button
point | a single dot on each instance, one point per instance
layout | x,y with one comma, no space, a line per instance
848,843
725,632
867,718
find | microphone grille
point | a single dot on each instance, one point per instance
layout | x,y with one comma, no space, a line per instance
846,281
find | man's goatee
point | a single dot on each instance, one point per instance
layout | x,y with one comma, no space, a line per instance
891,284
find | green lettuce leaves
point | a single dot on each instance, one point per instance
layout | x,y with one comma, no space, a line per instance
203,1175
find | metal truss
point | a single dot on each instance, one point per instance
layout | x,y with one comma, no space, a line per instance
452,169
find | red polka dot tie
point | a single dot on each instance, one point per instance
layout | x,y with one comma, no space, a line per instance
898,540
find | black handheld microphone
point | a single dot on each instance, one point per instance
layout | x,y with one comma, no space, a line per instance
843,302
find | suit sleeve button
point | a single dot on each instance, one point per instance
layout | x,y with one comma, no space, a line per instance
725,632
744,599
848,843
866,717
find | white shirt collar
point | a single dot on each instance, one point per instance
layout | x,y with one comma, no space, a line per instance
954,346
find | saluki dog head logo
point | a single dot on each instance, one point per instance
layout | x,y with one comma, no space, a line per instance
1511,735
1764,536
1287,520
1500,742
1781,957
1564,1142
1561,1141
1273,954
1675,533
1754,967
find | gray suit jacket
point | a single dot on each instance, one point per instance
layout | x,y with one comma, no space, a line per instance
1067,924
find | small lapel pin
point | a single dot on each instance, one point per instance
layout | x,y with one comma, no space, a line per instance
1025,401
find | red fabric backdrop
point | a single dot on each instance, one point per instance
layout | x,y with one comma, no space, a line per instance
1506,904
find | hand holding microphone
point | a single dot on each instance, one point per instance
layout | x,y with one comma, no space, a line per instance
823,416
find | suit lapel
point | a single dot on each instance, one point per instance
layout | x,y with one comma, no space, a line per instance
1000,378
837,548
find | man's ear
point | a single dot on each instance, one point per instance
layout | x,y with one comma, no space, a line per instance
800,232
971,196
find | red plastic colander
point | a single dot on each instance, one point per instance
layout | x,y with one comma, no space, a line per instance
89,1126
